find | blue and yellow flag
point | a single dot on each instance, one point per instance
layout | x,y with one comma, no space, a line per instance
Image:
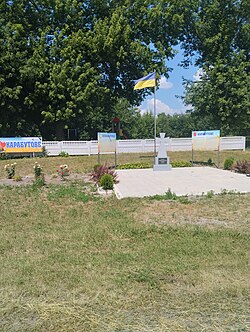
145,82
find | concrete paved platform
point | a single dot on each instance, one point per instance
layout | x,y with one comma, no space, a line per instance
181,181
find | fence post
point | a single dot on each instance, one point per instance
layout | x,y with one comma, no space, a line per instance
89,149
143,145
60,146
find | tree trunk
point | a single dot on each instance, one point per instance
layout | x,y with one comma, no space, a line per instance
60,131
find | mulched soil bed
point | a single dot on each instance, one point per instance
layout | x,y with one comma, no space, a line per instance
49,179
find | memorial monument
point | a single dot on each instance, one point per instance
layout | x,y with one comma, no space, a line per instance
162,161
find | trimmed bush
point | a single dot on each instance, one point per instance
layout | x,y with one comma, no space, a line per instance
134,166
228,163
107,182
181,163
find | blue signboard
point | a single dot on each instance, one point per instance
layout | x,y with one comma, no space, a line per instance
20,144
206,133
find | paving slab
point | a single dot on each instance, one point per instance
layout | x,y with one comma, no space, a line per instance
181,181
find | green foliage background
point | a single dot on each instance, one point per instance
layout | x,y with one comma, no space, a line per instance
220,34
71,64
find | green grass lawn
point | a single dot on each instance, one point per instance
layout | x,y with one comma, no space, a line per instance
85,163
73,261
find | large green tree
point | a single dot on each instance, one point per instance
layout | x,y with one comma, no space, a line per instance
219,36
223,93
67,63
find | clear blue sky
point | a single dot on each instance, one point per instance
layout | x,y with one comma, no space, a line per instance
166,100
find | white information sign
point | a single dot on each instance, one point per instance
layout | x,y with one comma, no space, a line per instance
206,140
106,142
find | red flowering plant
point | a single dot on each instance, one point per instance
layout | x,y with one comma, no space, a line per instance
63,171
100,170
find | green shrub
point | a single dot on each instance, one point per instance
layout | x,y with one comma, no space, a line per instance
170,195
17,178
107,182
3,156
228,163
135,166
39,182
210,194
63,154
210,162
181,163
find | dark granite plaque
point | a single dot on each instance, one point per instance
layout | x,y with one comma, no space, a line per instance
162,161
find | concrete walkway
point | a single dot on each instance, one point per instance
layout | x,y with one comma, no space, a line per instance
181,181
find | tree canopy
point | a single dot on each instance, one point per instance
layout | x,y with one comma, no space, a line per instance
71,63
68,63
220,37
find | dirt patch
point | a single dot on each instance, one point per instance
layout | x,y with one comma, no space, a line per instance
49,179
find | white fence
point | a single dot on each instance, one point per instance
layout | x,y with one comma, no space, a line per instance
74,148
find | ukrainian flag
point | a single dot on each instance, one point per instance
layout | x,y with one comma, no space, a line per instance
145,82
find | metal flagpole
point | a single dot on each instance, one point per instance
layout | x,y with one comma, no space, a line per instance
154,123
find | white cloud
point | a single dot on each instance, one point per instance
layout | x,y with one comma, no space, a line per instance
164,84
161,107
198,74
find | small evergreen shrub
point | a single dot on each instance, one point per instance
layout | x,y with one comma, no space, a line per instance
107,182
228,163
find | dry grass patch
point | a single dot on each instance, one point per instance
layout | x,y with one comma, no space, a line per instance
71,261
225,210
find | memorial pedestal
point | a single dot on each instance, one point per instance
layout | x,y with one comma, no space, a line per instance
162,161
